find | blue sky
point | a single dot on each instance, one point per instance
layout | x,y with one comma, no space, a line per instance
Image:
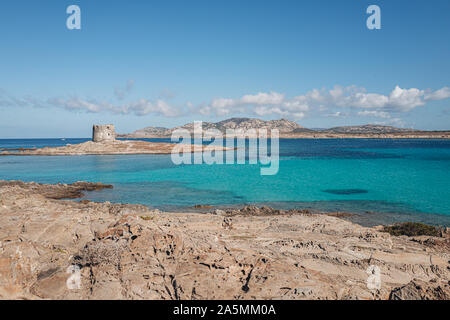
164,63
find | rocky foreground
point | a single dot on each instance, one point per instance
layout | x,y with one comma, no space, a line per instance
107,147
127,251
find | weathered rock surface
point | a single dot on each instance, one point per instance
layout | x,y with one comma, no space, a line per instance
131,252
58,191
259,211
420,290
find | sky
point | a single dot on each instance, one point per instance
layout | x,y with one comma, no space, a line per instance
165,63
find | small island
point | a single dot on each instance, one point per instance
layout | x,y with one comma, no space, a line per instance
104,142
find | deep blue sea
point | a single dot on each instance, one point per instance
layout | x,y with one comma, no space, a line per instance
381,181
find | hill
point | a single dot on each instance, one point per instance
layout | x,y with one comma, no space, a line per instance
283,125
291,129
368,128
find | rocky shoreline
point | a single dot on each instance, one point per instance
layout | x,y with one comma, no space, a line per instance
125,251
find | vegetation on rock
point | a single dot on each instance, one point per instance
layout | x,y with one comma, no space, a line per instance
412,229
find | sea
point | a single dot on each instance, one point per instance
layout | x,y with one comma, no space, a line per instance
378,181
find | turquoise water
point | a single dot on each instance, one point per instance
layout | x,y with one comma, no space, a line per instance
379,180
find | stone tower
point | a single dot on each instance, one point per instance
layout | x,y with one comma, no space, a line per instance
103,133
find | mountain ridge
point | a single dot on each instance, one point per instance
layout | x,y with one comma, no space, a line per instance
283,125
367,128
291,129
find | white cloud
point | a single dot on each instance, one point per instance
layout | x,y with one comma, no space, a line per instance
141,107
376,114
363,100
337,114
144,107
272,98
320,100
296,104
263,111
8,100
222,103
441,94
338,102
406,99
220,106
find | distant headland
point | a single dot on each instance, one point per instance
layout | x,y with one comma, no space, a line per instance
292,130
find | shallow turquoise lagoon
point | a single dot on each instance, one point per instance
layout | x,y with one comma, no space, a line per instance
379,180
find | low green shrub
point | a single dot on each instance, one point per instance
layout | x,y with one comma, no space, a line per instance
412,229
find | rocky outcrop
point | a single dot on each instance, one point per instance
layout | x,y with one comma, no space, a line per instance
109,147
420,290
58,191
259,211
282,125
61,249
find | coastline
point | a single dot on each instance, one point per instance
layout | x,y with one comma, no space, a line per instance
115,147
129,251
409,135
136,146
365,218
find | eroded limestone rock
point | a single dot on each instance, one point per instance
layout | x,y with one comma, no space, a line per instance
131,252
